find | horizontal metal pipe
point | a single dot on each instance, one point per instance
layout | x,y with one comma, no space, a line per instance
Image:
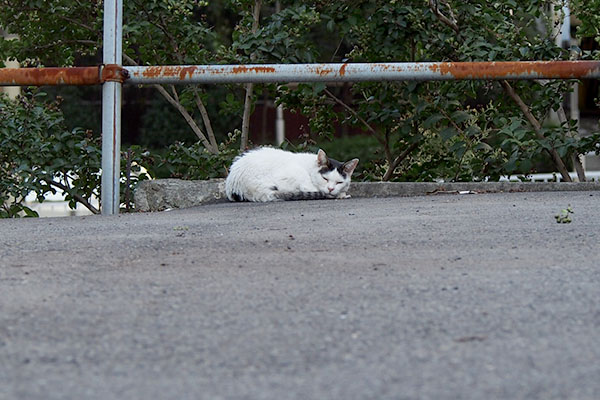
50,76
279,73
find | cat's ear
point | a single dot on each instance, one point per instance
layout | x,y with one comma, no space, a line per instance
322,159
350,165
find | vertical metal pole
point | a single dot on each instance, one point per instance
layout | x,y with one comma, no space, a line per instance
111,108
279,126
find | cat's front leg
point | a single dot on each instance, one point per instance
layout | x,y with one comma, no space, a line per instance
343,195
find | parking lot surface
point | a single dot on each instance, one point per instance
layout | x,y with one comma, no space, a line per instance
433,297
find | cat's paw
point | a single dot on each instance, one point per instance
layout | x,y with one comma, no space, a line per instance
343,196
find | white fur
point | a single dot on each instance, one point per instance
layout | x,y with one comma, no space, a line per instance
255,174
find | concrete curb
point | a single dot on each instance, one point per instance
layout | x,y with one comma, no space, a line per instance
162,194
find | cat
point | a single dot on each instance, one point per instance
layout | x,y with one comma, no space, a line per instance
269,174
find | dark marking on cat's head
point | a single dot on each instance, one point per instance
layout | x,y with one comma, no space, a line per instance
335,164
327,164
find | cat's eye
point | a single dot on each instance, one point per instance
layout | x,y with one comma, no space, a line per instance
326,180
339,183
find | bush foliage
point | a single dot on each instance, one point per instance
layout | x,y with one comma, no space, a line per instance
39,155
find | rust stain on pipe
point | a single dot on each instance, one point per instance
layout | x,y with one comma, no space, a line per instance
242,69
187,71
51,76
323,70
152,72
510,69
167,71
343,69
114,73
170,71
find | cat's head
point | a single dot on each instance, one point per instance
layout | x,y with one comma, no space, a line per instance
334,177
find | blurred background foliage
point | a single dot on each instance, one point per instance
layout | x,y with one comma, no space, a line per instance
403,131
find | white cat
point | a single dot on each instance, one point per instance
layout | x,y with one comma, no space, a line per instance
268,174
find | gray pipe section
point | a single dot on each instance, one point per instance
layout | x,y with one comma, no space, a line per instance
111,109
354,72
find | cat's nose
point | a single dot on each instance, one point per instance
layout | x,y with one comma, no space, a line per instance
330,189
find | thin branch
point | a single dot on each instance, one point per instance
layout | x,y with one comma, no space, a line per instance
246,116
575,158
389,157
180,57
375,134
390,171
76,196
450,11
249,86
172,39
385,142
74,22
174,101
65,42
537,127
462,133
130,60
174,91
382,139
337,49
205,118
32,10
188,118
433,4
351,111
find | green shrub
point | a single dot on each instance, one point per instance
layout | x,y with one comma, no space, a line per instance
38,154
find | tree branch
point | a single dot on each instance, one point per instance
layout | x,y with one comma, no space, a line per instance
451,22
394,162
390,171
74,22
64,42
76,196
575,158
377,136
174,101
186,115
249,86
537,127
205,118
351,111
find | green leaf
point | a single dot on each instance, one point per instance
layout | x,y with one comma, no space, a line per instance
525,166
330,25
30,213
448,133
319,87
433,120
482,146
460,116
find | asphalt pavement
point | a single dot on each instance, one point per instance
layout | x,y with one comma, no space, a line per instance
447,296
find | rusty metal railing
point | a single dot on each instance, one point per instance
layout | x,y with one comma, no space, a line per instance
62,76
353,72
111,75
283,73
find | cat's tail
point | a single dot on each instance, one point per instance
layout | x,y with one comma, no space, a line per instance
301,196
